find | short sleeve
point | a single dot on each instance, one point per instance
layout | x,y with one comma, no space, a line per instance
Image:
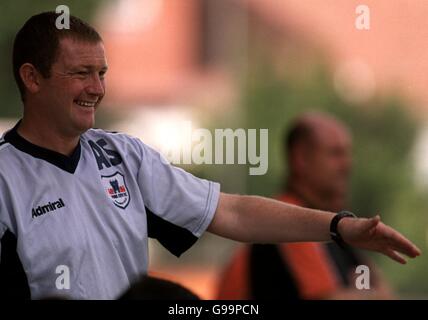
179,206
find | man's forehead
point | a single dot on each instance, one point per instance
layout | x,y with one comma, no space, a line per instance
332,134
76,52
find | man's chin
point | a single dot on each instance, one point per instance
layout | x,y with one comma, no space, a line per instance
83,127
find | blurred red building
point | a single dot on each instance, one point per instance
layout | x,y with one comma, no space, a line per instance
161,52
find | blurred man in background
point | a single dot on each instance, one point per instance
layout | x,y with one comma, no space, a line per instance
318,153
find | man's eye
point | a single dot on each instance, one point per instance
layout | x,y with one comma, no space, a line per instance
82,73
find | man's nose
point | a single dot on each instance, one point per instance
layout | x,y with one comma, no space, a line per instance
96,86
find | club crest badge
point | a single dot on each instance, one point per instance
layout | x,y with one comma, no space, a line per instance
116,189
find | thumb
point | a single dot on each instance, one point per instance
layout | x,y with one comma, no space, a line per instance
372,223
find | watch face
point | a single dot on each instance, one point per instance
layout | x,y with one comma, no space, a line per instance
346,213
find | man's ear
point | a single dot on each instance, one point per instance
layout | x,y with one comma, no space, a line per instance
30,77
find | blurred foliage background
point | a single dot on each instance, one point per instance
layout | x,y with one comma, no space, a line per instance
383,176
384,133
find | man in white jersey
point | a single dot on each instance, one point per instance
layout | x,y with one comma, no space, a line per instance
80,203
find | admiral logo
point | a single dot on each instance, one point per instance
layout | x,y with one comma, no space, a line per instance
116,189
49,207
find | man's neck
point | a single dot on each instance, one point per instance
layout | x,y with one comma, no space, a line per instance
47,137
308,196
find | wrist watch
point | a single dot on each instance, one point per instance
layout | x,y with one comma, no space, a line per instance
334,233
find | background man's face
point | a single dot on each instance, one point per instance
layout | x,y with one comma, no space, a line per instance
76,86
328,163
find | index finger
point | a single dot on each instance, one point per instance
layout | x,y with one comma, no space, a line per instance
401,244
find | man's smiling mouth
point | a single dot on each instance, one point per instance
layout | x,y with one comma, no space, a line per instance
87,104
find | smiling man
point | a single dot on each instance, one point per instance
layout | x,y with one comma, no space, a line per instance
65,89
98,195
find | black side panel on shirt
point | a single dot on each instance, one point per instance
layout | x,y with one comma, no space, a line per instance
13,280
174,238
270,277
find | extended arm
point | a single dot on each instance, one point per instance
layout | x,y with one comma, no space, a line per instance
263,220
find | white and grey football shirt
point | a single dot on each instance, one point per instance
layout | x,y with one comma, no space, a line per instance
92,212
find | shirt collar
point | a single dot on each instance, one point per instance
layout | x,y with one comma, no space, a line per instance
66,163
